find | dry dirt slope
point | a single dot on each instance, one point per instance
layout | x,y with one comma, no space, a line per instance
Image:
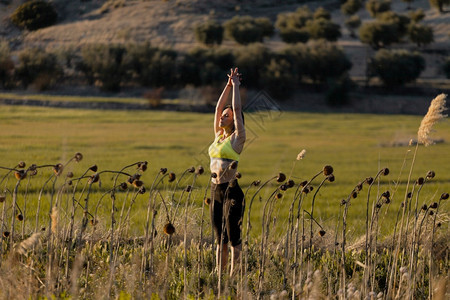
169,24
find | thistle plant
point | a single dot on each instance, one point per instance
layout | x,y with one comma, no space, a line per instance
434,115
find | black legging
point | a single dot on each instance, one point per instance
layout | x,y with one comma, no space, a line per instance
232,205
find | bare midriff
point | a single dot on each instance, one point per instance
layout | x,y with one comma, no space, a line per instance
223,170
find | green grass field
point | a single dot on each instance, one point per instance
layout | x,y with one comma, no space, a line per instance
356,145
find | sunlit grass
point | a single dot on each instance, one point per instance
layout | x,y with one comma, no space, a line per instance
356,145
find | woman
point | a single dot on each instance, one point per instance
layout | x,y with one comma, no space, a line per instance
226,195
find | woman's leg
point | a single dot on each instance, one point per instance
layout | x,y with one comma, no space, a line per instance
235,258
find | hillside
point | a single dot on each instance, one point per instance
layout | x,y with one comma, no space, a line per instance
169,24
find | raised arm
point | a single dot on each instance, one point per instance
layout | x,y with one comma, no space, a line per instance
239,139
220,105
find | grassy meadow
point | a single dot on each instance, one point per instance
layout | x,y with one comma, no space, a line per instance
357,146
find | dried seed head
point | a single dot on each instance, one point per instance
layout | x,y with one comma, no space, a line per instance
378,205
142,166
330,178
385,171
21,174
69,182
387,200
322,232
94,178
169,229
94,222
424,207
32,167
233,164
78,157
420,181
409,195
142,190
163,171
93,168
343,202
369,180
290,183
32,172
301,155
327,170
188,189
402,204
303,183
69,174
311,188
281,177
430,174
20,217
434,114
2,198
172,176
444,196
431,212
238,175
191,170
305,190
6,234
434,205
213,175
21,164
58,168
354,194
359,187
439,224
123,185
279,196
386,194
138,183
283,187
232,183
256,182
207,201
199,170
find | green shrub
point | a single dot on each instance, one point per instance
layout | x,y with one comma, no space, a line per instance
326,61
322,13
439,4
297,19
252,61
34,15
299,58
375,7
245,29
6,65
38,66
209,33
378,34
323,29
396,67
294,35
402,22
104,65
278,79
151,66
292,25
446,67
420,34
352,24
205,66
417,15
350,7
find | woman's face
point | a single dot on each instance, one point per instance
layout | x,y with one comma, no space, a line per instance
226,119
